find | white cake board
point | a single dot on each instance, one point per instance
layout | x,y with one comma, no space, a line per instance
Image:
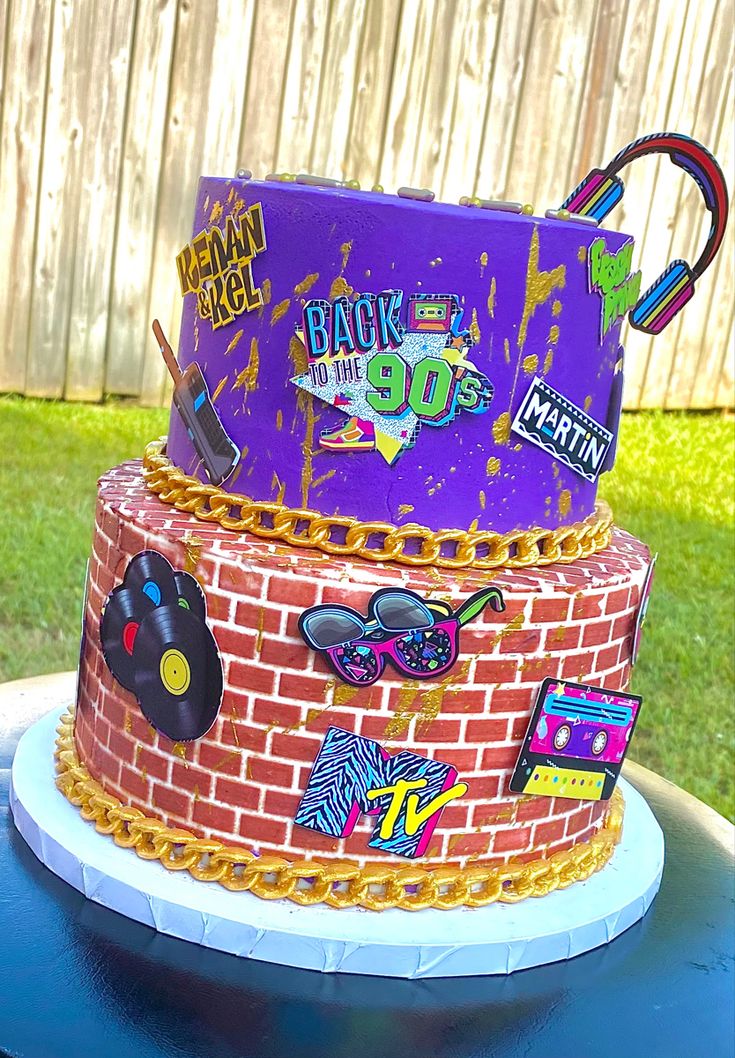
497,939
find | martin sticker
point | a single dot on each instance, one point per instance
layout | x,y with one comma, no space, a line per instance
562,429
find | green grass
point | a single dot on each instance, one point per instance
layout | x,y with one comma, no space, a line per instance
672,487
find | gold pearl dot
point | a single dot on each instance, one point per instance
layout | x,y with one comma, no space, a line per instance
378,187
354,185
527,209
564,214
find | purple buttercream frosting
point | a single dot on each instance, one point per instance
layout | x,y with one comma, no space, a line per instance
523,284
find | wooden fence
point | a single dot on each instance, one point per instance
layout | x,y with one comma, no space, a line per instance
111,109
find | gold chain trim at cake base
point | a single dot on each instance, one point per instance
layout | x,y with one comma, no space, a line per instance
336,883
303,528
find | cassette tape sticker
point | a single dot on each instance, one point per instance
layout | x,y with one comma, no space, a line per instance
391,365
576,742
157,644
549,420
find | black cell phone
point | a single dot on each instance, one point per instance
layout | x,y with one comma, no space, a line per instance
213,446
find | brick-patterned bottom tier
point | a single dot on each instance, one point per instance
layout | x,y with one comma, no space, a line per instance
242,782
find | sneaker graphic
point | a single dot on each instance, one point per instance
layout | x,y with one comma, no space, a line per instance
353,435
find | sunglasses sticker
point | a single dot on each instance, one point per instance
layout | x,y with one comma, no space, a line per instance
354,776
610,276
640,619
217,267
549,420
387,376
419,637
157,644
576,742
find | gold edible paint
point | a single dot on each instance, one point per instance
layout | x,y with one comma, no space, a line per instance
345,249
344,693
587,402
248,377
279,420
340,288
530,364
216,213
539,286
506,350
556,307
220,387
279,311
405,508
491,298
482,499
501,429
548,361
553,334
306,284
582,253
234,343
192,552
565,502
493,466
475,328
483,263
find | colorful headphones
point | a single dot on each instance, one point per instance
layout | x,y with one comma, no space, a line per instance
602,189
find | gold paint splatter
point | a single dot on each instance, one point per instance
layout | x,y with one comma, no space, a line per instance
345,249
279,419
196,792
304,405
248,377
555,469
259,634
482,500
548,361
179,750
587,402
491,298
277,483
192,552
266,292
340,288
553,334
501,429
539,286
493,467
306,284
298,356
344,693
473,525
325,477
483,263
556,307
530,364
564,502
216,213
234,343
128,724
279,311
405,508
506,350
206,203
475,328
220,387
582,253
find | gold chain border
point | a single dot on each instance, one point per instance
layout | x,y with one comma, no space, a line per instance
336,883
518,549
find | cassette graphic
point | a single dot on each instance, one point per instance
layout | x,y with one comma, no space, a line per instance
576,742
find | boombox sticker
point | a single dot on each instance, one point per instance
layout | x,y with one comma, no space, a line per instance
576,742
157,644
388,377
419,637
354,776
549,420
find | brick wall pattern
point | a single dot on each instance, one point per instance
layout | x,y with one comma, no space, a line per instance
242,782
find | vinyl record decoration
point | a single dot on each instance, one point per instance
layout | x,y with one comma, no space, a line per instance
157,644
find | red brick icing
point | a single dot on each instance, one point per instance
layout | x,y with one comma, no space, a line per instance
242,782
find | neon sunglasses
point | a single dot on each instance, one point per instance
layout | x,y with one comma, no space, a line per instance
419,638
602,189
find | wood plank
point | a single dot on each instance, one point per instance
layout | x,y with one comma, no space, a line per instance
716,292
106,68
372,91
196,105
338,84
301,87
24,89
129,325
639,115
265,80
405,108
433,131
58,198
725,395
552,90
714,127
666,219
470,100
494,176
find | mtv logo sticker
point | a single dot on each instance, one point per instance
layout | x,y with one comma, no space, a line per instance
562,429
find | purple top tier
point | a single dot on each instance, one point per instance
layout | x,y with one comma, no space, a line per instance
524,285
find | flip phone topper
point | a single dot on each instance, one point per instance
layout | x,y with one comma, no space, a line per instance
602,189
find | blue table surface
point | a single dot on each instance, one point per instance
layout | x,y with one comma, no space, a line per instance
80,980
